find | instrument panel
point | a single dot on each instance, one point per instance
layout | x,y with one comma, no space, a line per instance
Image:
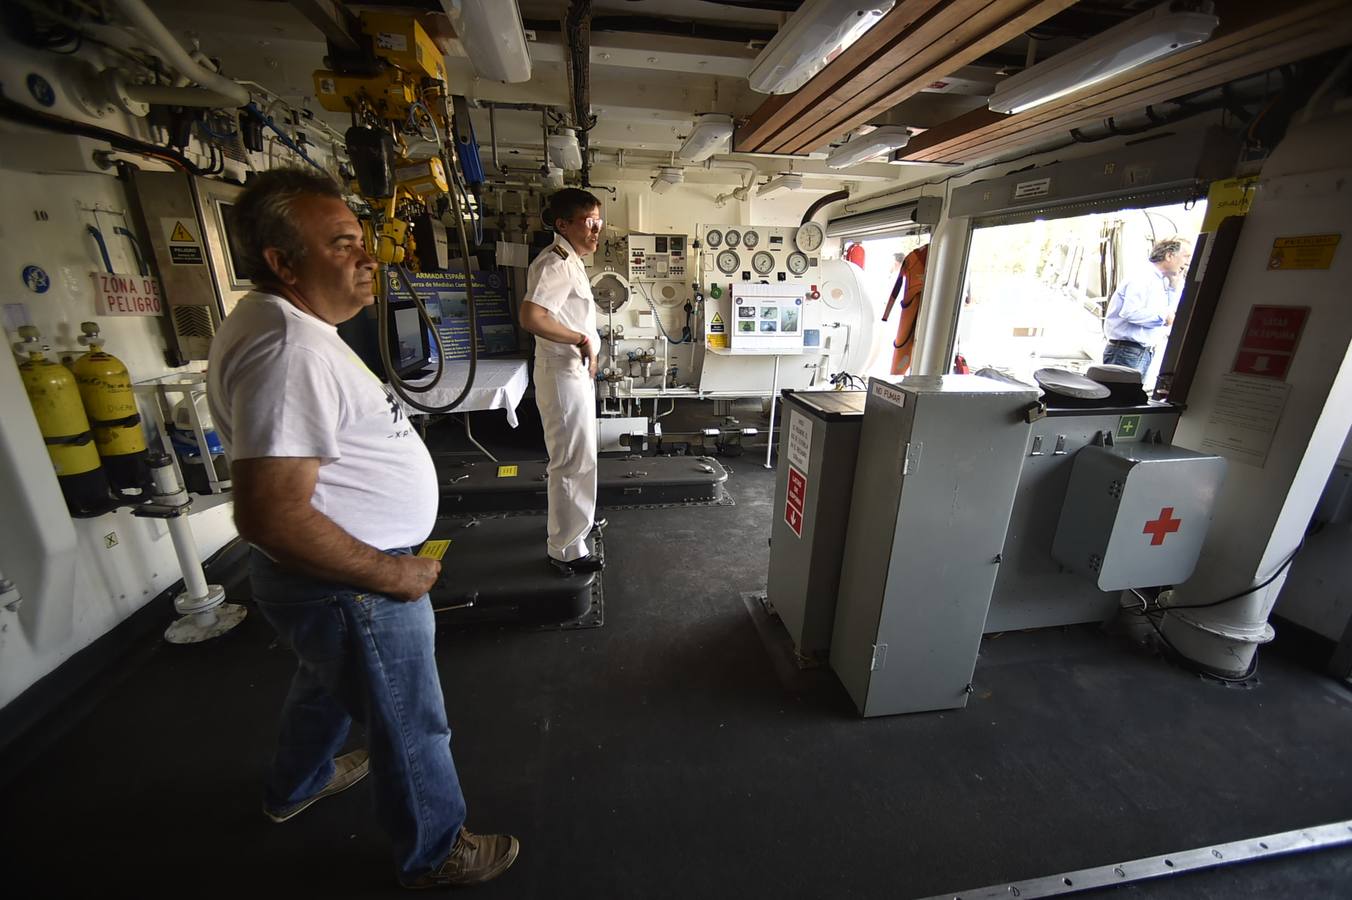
757,253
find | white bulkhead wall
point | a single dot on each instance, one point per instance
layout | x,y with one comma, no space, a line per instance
118,562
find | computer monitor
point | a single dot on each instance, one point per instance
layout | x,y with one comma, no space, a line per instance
410,348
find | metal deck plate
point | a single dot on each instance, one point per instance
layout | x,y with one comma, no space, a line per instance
469,488
495,571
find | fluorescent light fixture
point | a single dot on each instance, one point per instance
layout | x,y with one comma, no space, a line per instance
784,181
493,37
666,177
1154,34
813,36
712,134
883,139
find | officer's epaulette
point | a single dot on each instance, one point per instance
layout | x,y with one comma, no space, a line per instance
563,254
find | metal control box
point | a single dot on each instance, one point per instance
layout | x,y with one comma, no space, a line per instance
1135,515
656,257
818,442
939,461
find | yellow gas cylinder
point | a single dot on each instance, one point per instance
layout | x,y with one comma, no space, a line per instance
61,419
110,403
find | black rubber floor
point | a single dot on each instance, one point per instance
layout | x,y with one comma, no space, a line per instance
666,755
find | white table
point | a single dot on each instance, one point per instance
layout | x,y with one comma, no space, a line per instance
498,384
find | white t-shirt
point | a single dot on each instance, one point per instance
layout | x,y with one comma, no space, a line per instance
557,280
282,383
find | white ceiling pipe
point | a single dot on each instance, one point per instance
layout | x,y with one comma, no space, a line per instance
165,95
149,24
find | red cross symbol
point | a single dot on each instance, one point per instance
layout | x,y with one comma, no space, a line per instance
1160,528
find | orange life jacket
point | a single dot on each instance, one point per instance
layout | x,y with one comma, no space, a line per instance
911,278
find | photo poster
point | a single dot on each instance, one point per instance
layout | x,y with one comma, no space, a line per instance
444,295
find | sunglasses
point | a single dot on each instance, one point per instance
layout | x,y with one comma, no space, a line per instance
593,223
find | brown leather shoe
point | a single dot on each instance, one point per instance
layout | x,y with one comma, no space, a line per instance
474,859
348,769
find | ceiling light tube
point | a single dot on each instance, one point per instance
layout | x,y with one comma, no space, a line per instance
812,37
1154,34
883,139
712,134
785,181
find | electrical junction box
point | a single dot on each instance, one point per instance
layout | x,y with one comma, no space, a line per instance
656,257
1135,515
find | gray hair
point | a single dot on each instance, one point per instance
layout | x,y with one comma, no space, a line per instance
263,218
1163,248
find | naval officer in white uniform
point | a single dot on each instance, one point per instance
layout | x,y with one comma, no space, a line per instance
557,309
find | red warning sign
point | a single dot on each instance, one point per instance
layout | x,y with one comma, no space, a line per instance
1269,340
793,506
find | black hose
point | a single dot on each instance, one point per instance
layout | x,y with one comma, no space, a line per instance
17,112
822,201
397,384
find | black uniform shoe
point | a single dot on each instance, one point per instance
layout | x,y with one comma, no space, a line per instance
580,566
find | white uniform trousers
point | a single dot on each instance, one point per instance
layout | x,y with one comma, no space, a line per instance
566,395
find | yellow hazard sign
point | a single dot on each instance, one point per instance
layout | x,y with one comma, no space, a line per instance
507,471
1306,251
717,319
434,549
181,234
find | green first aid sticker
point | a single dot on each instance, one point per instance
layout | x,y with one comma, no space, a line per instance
1128,426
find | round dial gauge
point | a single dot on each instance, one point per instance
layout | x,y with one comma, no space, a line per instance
733,237
763,263
809,238
797,263
713,238
729,262
750,239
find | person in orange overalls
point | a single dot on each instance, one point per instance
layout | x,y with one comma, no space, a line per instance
910,286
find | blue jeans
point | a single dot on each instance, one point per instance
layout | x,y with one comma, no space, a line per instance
1133,356
366,657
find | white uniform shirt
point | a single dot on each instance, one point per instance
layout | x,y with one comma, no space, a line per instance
558,281
283,383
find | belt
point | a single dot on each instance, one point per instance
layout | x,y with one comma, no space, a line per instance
1128,344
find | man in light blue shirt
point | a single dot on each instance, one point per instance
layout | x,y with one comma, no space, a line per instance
1142,308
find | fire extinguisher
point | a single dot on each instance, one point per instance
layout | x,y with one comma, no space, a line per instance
105,389
65,428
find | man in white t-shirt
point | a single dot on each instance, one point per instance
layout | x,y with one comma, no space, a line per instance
333,488
557,309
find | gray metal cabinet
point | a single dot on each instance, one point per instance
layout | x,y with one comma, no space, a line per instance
819,438
939,461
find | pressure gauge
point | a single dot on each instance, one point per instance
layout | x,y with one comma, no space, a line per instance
729,262
797,263
750,239
763,263
713,238
733,237
809,238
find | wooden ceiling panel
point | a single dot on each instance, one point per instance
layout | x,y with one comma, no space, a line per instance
852,70
969,38
1254,37
915,44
